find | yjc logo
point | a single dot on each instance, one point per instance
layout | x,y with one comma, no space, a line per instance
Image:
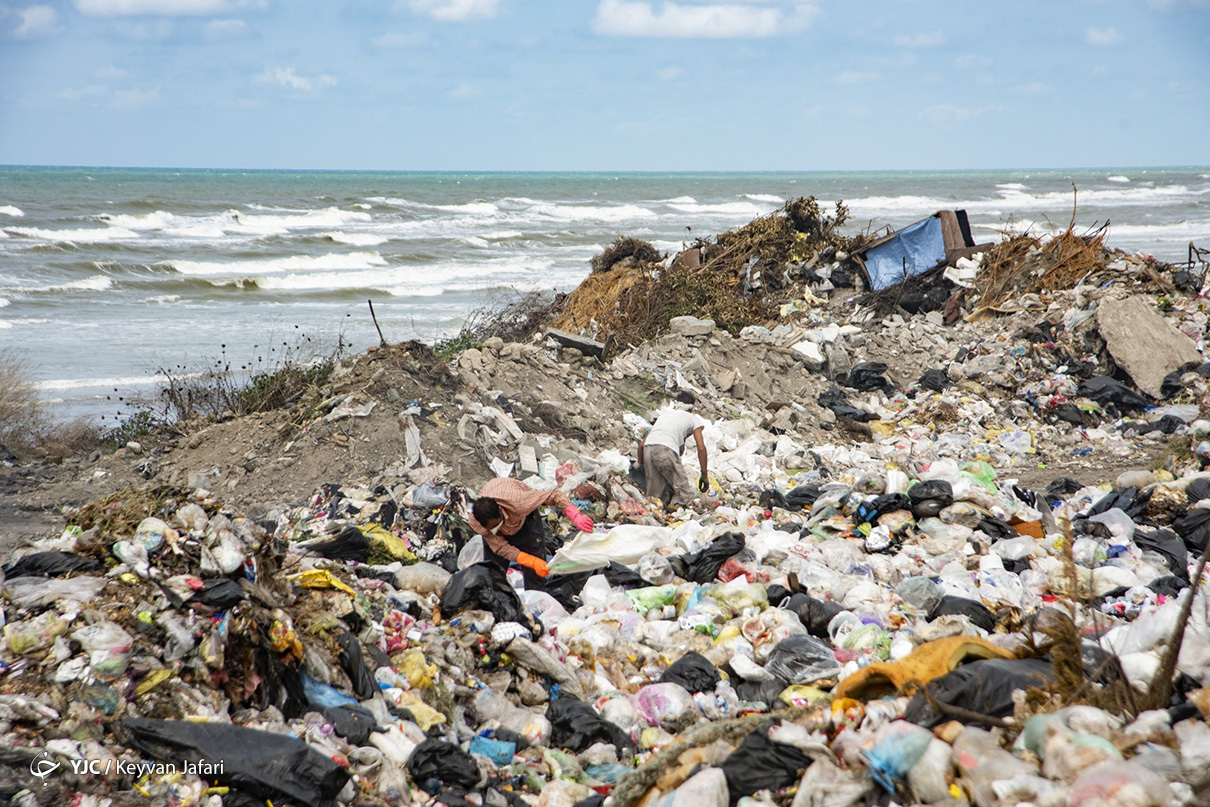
43,766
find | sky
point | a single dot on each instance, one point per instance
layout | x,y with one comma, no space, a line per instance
605,85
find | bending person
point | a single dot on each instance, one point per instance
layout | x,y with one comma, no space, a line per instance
660,455
506,516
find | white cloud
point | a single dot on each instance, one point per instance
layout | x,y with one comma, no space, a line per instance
856,77
133,99
36,22
395,40
930,39
456,10
226,29
735,20
669,73
150,8
1102,37
286,77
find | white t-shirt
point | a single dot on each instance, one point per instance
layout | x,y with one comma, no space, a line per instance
673,428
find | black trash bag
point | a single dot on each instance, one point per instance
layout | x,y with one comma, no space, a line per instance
483,585
814,614
867,376
354,723
1169,585
776,593
802,659
702,566
693,672
934,489
1168,424
976,612
595,800
984,686
1197,490
996,529
1130,501
349,544
834,398
352,660
51,564
761,764
1106,391
220,594
1194,528
1063,486
936,380
1170,546
566,588
618,575
771,498
1171,384
1070,413
576,725
803,497
271,766
444,762
766,691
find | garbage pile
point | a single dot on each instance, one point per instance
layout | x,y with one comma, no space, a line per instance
948,554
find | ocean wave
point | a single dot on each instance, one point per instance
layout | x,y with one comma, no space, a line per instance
1117,179
92,235
1011,199
1012,186
94,283
765,197
157,220
723,209
11,210
257,224
355,239
164,299
97,383
680,200
5,303
611,214
476,241
474,208
295,263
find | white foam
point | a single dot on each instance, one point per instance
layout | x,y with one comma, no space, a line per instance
1012,199
293,220
147,221
681,200
1012,186
356,239
402,280
604,213
94,283
4,303
1118,179
296,263
474,208
362,206
164,299
88,235
94,383
197,231
10,210
738,209
764,197
475,241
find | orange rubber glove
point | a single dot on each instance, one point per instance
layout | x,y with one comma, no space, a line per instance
537,564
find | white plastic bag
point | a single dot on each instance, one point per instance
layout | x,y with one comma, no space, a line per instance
626,544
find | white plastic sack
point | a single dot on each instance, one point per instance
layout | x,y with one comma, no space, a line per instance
625,544
472,553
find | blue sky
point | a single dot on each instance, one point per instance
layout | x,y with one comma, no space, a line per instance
605,84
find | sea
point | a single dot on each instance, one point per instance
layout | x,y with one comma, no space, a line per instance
112,277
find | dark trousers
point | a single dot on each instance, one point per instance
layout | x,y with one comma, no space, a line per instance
532,538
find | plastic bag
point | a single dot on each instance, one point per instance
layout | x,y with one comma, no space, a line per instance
898,747
981,686
575,725
354,723
483,586
422,578
702,566
651,598
693,672
108,647
472,553
976,612
444,762
761,764
867,376
625,544
429,496
618,575
498,751
352,660
669,706
814,614
39,592
542,661
1106,391
533,727
219,594
264,764
349,544
802,659
655,569
50,564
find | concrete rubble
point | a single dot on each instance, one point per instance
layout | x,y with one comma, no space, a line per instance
938,563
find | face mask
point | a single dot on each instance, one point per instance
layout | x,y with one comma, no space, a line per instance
496,529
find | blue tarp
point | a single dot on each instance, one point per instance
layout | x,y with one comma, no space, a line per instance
921,244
